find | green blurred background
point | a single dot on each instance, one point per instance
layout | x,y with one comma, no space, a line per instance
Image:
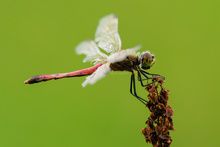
39,37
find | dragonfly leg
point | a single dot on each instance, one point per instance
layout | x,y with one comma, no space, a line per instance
144,73
133,90
140,79
158,76
146,78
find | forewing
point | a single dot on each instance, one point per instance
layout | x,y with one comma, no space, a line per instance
107,34
92,52
100,73
123,54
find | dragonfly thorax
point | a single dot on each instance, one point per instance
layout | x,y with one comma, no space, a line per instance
147,60
130,63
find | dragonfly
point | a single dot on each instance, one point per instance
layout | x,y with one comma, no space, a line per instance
107,40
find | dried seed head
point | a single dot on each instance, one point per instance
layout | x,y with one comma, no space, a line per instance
160,120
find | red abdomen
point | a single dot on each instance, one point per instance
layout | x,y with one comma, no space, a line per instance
83,72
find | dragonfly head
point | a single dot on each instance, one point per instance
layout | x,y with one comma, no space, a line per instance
146,60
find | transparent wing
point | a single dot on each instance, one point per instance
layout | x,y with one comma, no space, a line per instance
100,73
123,54
107,34
92,52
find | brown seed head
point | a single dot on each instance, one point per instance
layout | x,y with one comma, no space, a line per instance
160,120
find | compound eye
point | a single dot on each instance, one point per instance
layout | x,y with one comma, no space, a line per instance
152,57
